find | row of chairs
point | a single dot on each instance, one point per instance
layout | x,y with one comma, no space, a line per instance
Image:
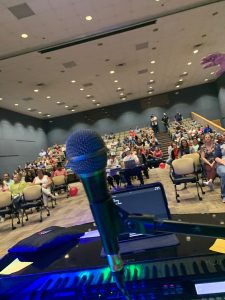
32,198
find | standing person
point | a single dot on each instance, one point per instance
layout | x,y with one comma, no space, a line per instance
220,159
178,118
154,123
208,158
165,121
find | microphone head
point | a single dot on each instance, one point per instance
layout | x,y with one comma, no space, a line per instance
86,152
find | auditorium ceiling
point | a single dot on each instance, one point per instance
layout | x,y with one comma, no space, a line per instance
60,57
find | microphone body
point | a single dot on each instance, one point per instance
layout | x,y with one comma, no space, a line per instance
87,156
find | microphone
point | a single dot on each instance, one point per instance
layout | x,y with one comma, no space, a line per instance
87,156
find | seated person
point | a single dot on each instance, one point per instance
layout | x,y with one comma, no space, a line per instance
207,129
3,186
29,175
45,183
16,189
155,157
7,180
112,171
60,171
132,167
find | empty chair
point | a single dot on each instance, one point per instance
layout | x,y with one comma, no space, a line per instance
32,198
6,206
183,171
59,183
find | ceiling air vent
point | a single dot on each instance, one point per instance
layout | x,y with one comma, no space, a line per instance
142,46
143,71
87,84
69,64
27,99
40,84
121,65
21,11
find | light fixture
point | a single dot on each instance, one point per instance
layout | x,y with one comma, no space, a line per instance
66,106
58,102
112,72
212,73
72,109
48,115
81,89
152,61
66,256
195,51
88,18
189,63
24,35
36,91
93,100
206,79
181,80
1,99
48,97
185,73
29,109
124,98
177,86
121,94
152,72
115,80
98,104
16,104
73,81
88,96
151,80
150,92
150,87
40,112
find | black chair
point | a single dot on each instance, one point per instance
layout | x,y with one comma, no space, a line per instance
183,171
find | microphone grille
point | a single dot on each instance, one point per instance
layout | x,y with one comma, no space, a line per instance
86,151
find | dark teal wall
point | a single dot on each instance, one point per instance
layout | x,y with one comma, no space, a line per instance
200,99
21,139
221,97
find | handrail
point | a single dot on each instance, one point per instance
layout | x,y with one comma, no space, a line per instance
203,121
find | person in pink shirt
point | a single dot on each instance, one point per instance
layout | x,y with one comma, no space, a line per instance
60,171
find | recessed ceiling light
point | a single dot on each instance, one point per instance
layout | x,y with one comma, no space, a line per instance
124,98
189,63
206,79
150,87
72,109
66,106
1,99
195,51
185,73
40,112
36,91
157,0
98,104
115,80
150,92
93,100
112,72
177,86
88,96
121,94
58,102
48,115
88,18
29,108
152,72
81,89
212,73
152,61
151,80
73,81
48,97
180,79
24,35
16,104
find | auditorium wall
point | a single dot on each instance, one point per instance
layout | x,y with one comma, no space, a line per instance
221,97
201,99
21,139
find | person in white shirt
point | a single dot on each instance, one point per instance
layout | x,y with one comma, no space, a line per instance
112,171
45,183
